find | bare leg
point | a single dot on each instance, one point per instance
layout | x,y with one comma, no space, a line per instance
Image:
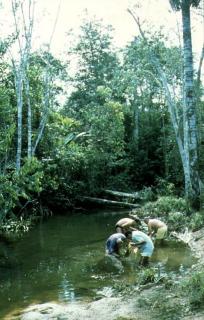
144,261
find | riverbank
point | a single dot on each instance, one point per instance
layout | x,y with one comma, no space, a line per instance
161,300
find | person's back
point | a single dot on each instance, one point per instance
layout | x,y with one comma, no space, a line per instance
113,243
156,223
124,223
144,244
156,227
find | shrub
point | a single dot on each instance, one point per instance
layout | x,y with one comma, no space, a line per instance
196,221
146,276
177,221
18,188
166,204
165,188
16,226
193,288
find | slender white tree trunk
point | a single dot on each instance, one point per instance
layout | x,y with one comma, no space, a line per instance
29,117
20,67
46,104
19,93
135,133
192,185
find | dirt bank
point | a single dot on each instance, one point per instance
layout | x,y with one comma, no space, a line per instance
103,309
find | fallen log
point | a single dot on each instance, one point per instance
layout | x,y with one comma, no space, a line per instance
119,204
133,195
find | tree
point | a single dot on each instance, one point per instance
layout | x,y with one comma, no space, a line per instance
23,31
186,134
190,142
95,104
96,65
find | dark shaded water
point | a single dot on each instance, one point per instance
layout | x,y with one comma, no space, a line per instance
62,259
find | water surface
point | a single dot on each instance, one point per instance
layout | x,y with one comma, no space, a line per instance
62,259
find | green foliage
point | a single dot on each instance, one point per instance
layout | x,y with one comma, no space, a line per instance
113,131
30,177
177,221
147,275
15,188
7,116
165,306
165,188
8,196
147,194
170,209
177,4
16,226
97,63
196,221
193,289
165,205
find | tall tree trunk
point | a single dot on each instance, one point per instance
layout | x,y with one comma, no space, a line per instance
46,104
29,117
192,186
19,92
135,133
20,67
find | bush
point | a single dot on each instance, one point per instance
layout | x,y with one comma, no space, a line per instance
148,275
165,205
18,188
16,226
196,221
193,288
177,221
165,188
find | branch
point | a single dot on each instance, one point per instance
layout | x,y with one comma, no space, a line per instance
137,20
14,7
55,23
200,65
47,88
164,83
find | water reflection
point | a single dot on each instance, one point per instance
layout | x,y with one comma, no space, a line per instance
173,256
66,290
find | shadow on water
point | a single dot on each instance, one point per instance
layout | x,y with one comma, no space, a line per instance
63,259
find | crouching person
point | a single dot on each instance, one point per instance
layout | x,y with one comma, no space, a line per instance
156,228
116,244
144,244
125,224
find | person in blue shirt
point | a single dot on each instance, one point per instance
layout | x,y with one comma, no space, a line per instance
143,243
116,243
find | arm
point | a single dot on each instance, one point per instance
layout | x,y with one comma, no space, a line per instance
138,243
150,231
133,229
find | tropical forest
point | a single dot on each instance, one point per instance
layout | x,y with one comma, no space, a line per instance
101,145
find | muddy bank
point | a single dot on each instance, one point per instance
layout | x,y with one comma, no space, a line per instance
103,309
135,306
196,244
195,240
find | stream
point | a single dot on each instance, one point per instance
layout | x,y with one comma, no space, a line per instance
62,259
